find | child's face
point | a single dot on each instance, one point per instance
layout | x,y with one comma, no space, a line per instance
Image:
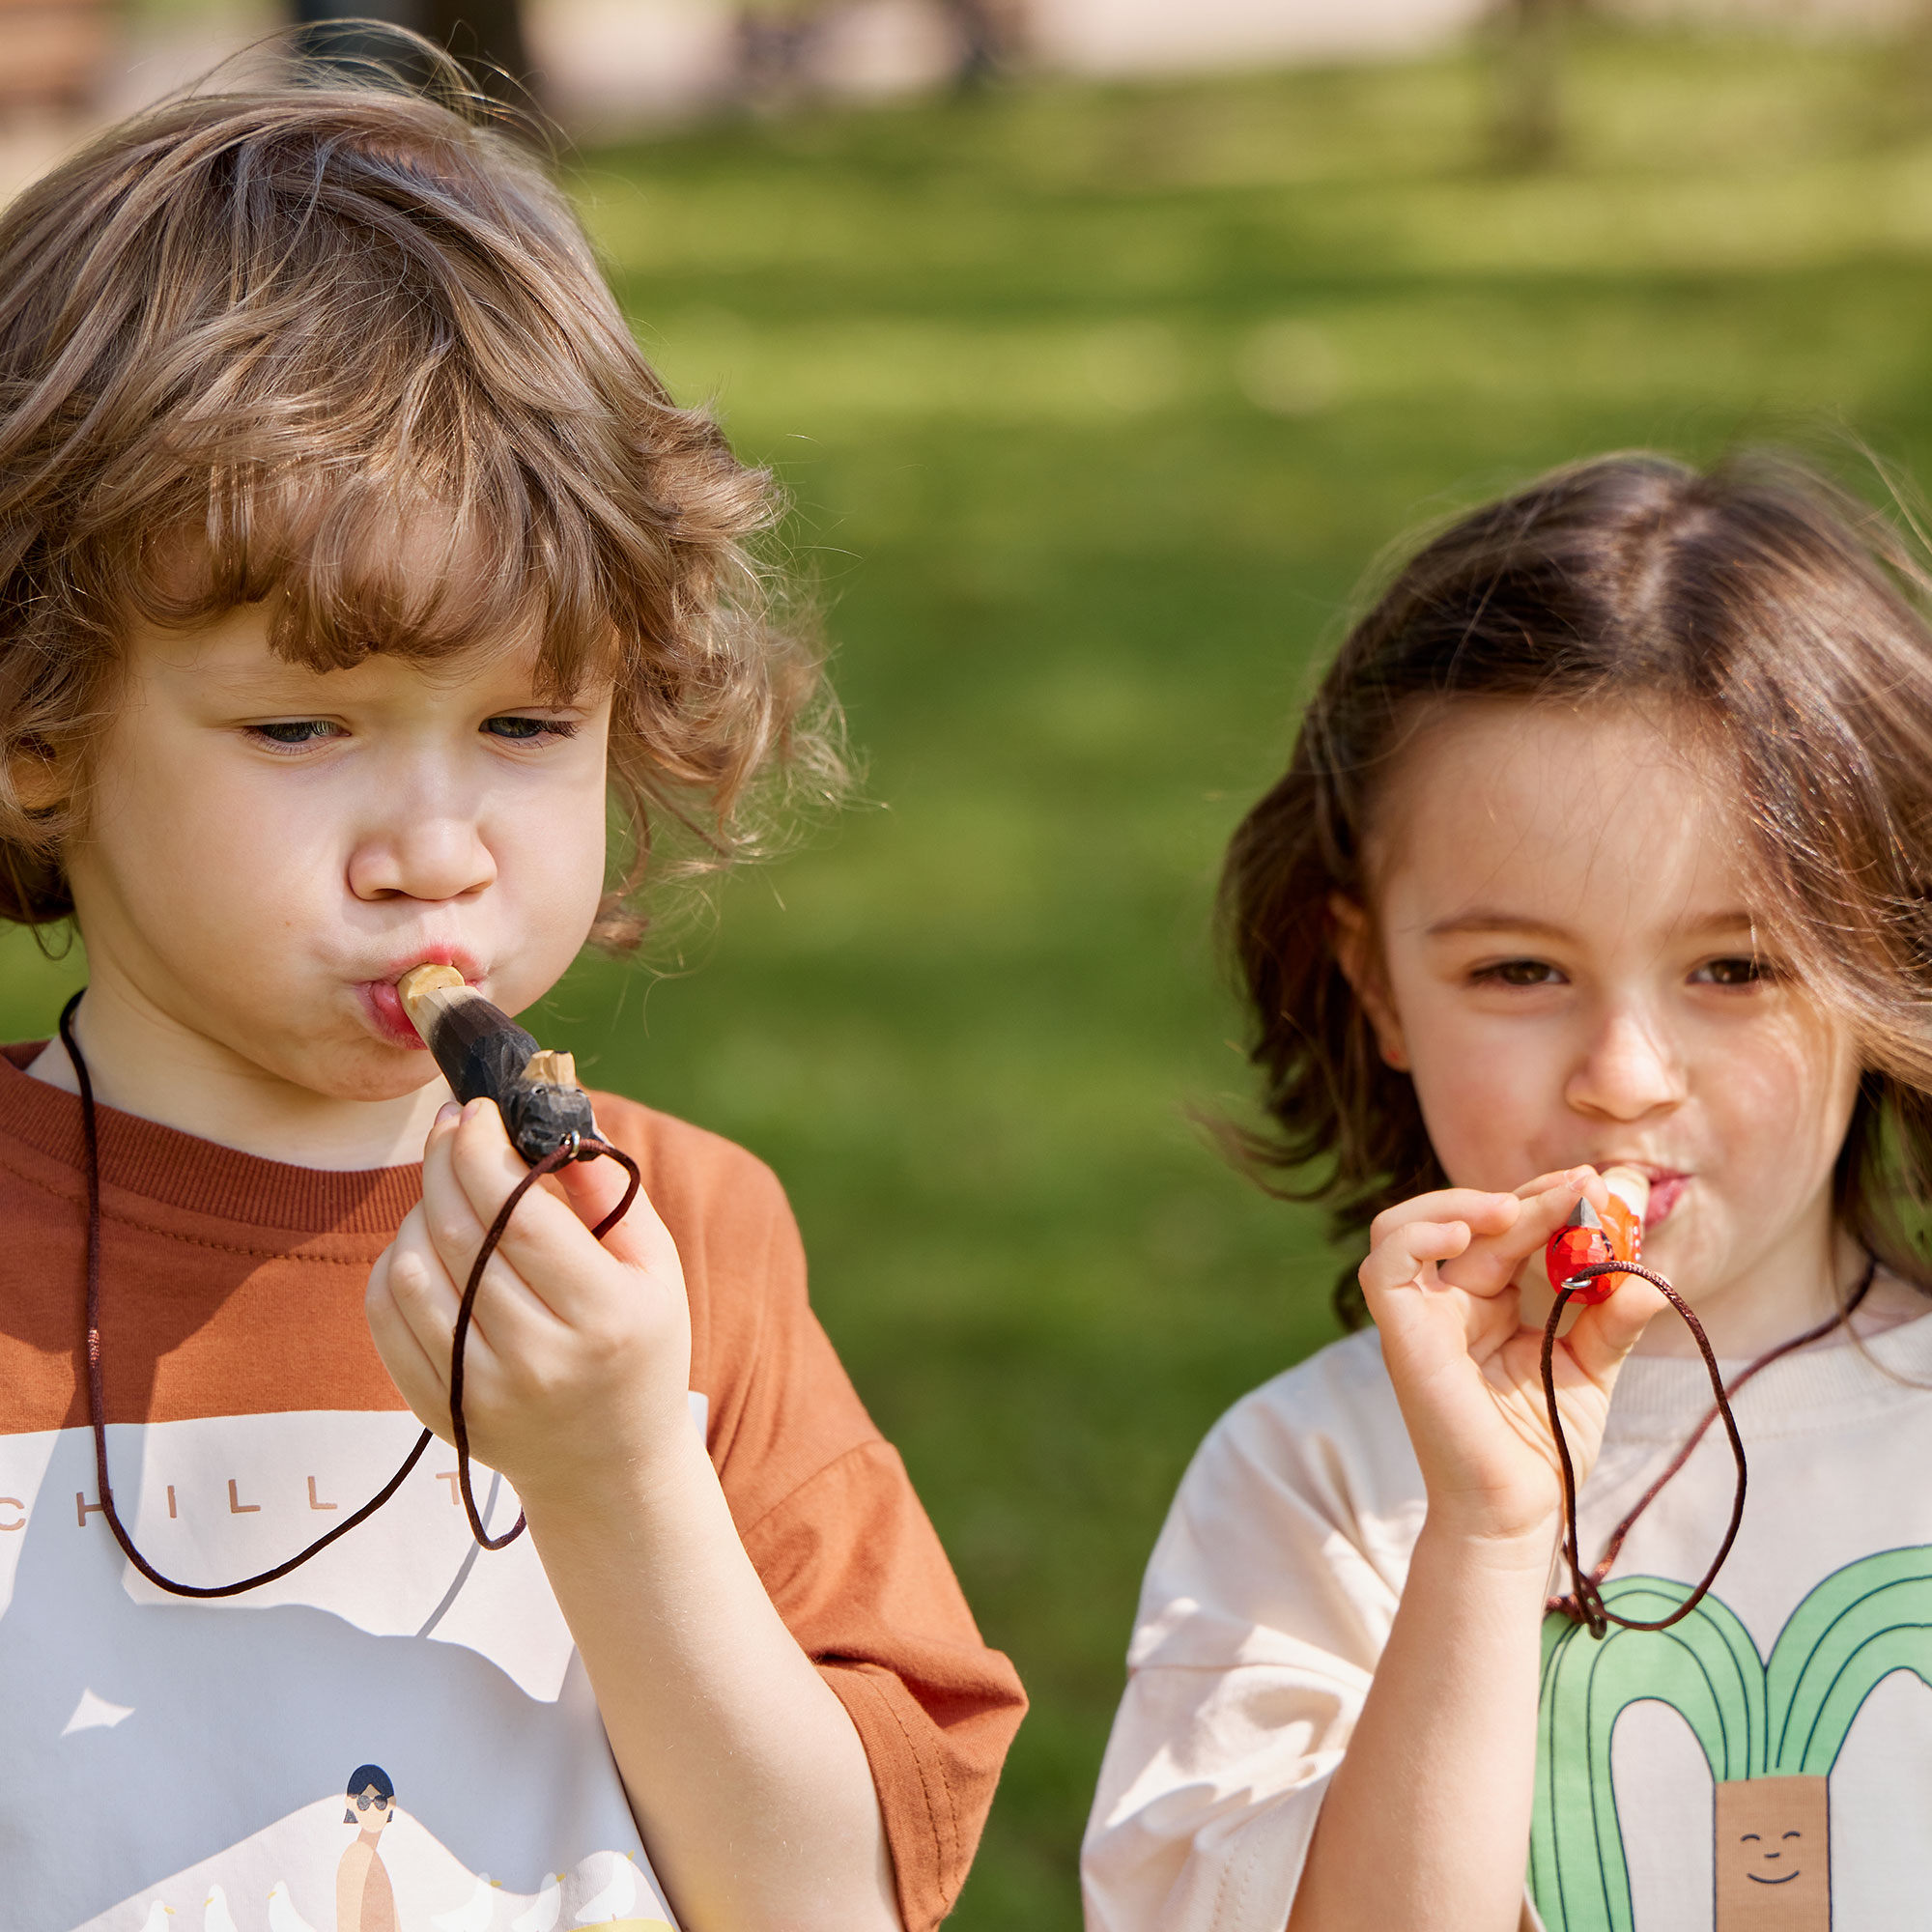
266,847
1568,975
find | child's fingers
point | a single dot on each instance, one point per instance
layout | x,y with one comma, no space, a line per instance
1553,1178
461,1197
1505,1229
546,1249
1548,1209
1406,1254
415,1287
403,1321
449,1217
594,1188
425,1293
470,1170
1483,1214
1547,1204
1593,1184
445,1233
1543,1212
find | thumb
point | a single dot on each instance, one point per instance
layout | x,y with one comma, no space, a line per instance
1603,1335
595,1190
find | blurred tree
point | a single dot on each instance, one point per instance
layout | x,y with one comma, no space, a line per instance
1529,80
992,36
779,43
774,41
486,35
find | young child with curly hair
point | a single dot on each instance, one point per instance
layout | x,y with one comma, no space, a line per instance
1605,843
358,574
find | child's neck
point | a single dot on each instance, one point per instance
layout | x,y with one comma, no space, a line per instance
1805,1286
142,1062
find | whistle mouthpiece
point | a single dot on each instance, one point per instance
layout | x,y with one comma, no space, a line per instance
1590,1238
1632,1186
485,1055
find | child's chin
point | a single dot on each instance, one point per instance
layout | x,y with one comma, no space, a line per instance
375,1073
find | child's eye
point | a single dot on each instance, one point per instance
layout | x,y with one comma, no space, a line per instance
1740,971
1521,972
525,731
295,732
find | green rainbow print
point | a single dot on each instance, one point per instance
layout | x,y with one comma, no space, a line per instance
1770,1731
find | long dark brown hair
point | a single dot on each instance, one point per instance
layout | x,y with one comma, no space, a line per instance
1785,620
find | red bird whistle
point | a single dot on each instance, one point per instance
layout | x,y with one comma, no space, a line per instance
1616,1234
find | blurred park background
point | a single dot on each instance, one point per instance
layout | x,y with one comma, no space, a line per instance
1099,371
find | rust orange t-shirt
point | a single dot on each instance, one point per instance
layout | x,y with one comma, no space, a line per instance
199,1759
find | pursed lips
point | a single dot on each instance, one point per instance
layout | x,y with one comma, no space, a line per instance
1666,1184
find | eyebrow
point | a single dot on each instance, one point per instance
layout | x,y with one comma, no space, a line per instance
1501,921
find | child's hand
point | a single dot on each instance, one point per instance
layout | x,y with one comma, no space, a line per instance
579,1353
1440,1280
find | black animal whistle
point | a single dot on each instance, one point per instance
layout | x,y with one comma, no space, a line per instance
485,1055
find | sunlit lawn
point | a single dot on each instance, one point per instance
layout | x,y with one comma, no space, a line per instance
1095,406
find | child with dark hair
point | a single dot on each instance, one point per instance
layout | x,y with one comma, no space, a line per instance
1605,842
358,574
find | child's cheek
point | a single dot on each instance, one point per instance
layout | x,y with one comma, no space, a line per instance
1493,1110
553,861
1779,1097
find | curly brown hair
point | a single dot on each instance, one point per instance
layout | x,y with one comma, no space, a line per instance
249,340
1786,622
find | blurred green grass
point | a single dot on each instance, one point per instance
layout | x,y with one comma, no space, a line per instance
1095,404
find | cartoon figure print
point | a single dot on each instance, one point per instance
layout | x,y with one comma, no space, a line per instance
364,1899
1770,1729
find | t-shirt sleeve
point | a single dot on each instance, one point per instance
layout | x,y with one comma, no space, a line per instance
832,1523
1266,1604
857,1574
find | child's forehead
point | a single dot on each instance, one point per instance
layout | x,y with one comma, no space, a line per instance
352,589
1503,745
1562,810
235,654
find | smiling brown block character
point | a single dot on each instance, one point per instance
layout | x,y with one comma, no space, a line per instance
1774,1855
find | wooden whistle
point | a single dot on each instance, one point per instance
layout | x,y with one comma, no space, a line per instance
1614,1235
485,1055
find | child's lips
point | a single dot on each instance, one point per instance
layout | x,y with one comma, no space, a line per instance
1667,1183
382,1008
1666,1189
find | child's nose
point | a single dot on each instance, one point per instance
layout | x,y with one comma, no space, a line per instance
1630,1070
431,857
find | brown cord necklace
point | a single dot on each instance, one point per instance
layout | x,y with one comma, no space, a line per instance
1584,1604
533,1117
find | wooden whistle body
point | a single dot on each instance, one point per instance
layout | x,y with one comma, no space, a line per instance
1614,1235
485,1055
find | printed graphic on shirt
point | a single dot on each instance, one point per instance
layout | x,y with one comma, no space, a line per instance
397,1737
428,1893
365,1901
1771,1730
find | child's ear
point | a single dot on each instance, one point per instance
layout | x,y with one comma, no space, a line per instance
1353,940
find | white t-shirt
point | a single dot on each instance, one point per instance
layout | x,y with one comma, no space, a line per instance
1766,1764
